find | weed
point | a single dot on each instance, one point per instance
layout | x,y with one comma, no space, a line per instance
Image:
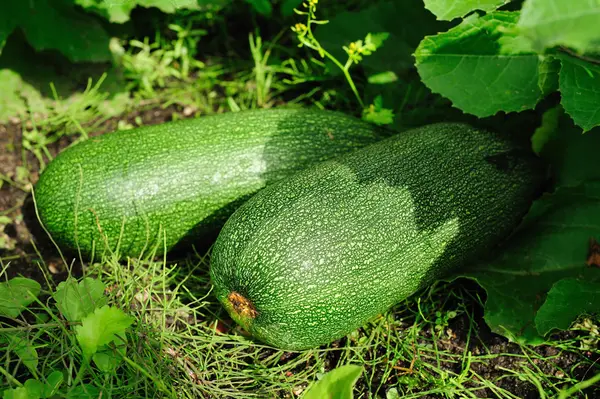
151,64
356,51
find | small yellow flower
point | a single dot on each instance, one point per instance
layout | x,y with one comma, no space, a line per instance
299,27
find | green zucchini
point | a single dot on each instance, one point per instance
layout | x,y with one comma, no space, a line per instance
311,258
152,188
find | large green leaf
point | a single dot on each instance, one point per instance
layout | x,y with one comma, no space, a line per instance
113,10
119,11
7,25
566,300
580,90
482,66
573,155
450,9
58,25
544,266
571,23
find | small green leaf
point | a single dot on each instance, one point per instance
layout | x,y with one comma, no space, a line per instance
24,349
336,384
392,394
547,131
16,294
84,391
34,388
101,328
106,360
580,91
567,300
383,116
53,383
450,9
77,300
375,113
550,23
109,358
18,393
383,78
376,40
482,66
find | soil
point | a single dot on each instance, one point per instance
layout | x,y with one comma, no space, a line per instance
28,247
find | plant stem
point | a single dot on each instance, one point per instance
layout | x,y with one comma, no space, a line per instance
580,56
317,46
29,327
346,74
578,387
345,69
79,375
10,377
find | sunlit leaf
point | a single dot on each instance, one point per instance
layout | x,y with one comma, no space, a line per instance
481,66
571,23
336,384
101,328
450,9
580,91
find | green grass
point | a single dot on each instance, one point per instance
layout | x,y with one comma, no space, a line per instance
181,342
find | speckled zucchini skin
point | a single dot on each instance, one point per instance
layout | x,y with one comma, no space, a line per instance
152,187
315,256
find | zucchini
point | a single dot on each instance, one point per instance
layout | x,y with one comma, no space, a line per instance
315,256
150,189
